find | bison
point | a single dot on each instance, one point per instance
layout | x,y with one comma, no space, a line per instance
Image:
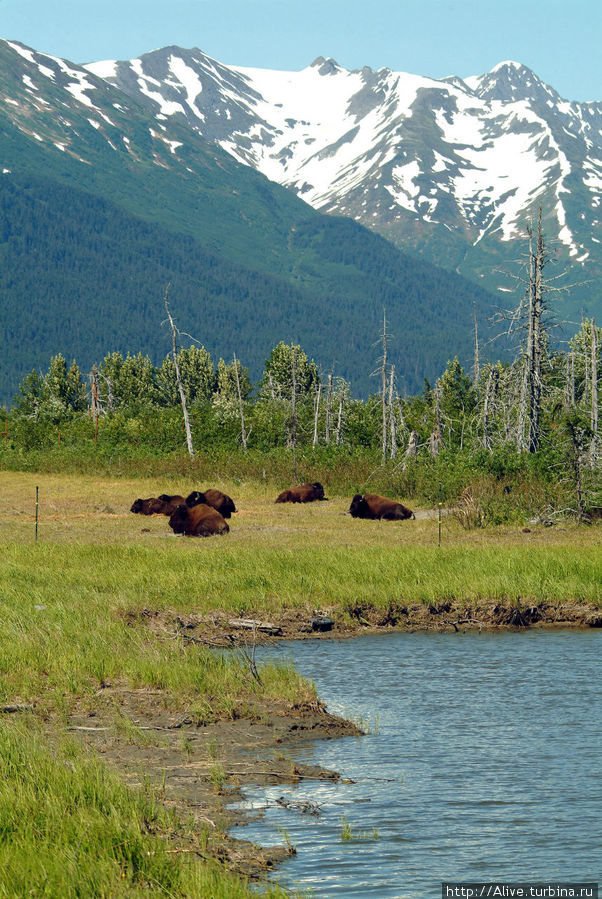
373,506
197,521
305,493
157,505
221,502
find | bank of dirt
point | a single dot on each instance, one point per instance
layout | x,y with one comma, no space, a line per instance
222,630
200,771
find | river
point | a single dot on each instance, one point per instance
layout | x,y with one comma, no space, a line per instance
483,762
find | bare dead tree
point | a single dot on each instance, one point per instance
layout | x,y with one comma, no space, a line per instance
95,405
384,387
476,367
241,411
594,392
110,398
435,438
536,309
412,447
490,394
569,399
293,422
339,418
95,399
328,407
174,333
392,423
317,413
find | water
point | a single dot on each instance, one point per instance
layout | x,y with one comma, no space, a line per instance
483,764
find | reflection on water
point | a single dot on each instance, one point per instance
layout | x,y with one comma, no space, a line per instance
483,764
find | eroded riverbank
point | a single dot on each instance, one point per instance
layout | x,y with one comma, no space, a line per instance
219,629
200,770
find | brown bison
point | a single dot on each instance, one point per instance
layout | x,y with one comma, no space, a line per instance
221,502
155,505
199,521
159,505
305,493
371,505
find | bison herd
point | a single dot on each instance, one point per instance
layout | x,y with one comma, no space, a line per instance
204,513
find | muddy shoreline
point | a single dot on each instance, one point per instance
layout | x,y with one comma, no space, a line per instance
221,630
201,770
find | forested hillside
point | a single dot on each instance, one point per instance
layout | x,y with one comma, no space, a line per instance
81,276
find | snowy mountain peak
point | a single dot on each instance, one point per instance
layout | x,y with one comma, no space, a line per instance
425,162
511,82
326,66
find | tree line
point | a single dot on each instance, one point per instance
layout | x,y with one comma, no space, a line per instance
544,403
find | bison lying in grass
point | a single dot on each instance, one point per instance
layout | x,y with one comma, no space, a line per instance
373,506
305,493
159,505
215,498
197,521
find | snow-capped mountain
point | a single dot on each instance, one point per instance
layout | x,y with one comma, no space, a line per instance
105,199
453,168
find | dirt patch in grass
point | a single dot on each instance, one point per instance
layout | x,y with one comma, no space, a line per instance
200,770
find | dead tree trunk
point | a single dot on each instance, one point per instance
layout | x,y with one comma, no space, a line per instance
293,424
594,415
383,371
477,370
412,448
181,391
243,430
95,399
392,424
490,394
569,397
435,440
328,408
316,413
110,401
535,360
339,419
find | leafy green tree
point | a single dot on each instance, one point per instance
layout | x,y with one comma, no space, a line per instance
128,381
457,396
64,391
29,399
197,373
225,399
277,380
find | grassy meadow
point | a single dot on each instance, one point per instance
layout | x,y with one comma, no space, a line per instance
71,601
71,621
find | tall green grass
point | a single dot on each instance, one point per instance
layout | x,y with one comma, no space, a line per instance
89,630
70,828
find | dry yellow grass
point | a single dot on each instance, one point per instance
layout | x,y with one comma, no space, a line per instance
81,509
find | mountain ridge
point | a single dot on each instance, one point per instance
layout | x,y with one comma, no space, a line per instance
461,164
256,263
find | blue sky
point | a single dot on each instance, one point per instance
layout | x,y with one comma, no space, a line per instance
560,40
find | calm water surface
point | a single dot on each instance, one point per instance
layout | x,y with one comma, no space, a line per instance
483,764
